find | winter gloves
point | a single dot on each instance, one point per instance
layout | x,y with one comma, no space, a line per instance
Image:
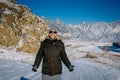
34,69
71,68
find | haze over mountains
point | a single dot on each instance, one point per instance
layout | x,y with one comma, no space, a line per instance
87,31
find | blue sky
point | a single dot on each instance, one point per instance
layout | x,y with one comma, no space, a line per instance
76,11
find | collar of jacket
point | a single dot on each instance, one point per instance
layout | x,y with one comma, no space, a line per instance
56,38
52,41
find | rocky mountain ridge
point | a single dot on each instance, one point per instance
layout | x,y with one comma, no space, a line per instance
20,28
88,31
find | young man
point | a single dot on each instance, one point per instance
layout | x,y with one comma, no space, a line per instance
52,51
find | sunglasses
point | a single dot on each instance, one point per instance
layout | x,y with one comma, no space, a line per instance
53,32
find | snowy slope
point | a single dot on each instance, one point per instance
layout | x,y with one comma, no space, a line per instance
15,65
13,54
14,70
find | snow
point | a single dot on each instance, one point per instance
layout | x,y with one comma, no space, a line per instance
15,65
83,71
13,54
7,11
20,43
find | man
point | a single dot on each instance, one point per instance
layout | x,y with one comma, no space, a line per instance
52,51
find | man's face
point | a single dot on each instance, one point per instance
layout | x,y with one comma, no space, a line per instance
52,34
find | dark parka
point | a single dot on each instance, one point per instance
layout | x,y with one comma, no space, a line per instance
52,52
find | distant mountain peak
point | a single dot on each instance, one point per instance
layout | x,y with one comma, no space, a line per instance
58,21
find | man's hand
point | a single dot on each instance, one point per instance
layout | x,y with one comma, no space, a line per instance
71,68
34,69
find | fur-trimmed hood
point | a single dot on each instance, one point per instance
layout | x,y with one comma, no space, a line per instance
57,37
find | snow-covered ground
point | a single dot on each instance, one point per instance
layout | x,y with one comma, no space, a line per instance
99,65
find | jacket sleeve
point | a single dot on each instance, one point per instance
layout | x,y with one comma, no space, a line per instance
64,57
39,56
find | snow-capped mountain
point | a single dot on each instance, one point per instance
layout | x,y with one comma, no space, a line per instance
19,27
94,31
66,31
100,31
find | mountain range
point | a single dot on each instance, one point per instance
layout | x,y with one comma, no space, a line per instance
87,31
